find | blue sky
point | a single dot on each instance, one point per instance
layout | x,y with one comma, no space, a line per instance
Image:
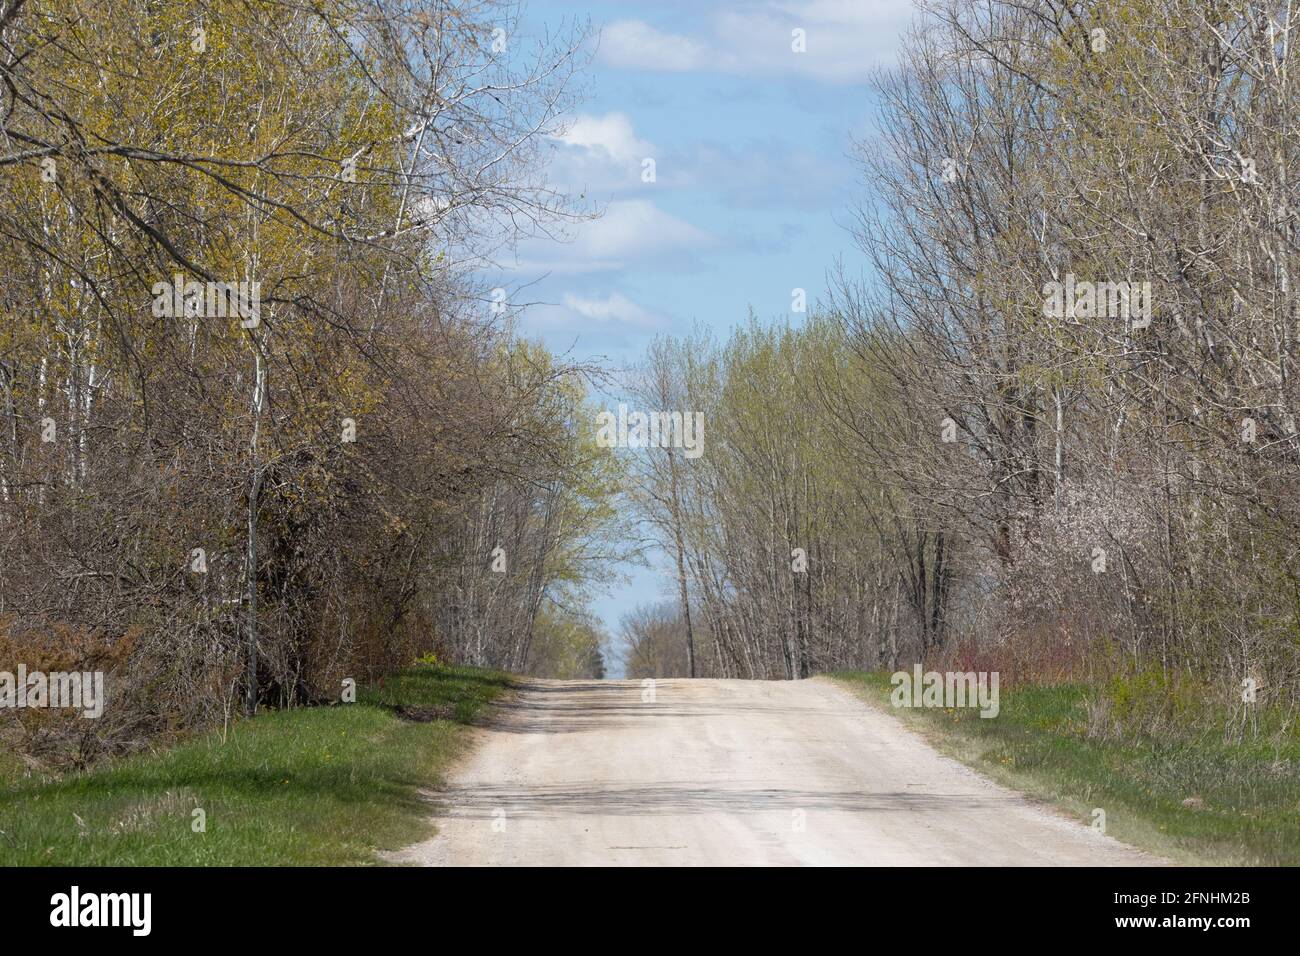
754,183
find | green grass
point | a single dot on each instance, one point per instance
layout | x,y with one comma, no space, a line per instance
1248,792
310,786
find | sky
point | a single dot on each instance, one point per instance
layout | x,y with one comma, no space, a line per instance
753,187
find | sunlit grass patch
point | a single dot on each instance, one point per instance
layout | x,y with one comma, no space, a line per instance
1195,797
311,786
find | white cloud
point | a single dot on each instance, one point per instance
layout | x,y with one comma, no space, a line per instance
600,157
616,308
598,154
632,232
611,134
635,45
845,39
606,322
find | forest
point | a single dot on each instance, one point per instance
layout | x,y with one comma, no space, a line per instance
264,431
1047,423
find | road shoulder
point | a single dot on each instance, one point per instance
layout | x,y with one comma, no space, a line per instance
1066,776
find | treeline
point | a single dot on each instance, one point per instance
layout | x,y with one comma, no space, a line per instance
261,432
1053,428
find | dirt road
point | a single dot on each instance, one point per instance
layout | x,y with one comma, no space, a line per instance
730,773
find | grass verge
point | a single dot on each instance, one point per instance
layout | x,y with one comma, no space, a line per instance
311,786
1197,800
